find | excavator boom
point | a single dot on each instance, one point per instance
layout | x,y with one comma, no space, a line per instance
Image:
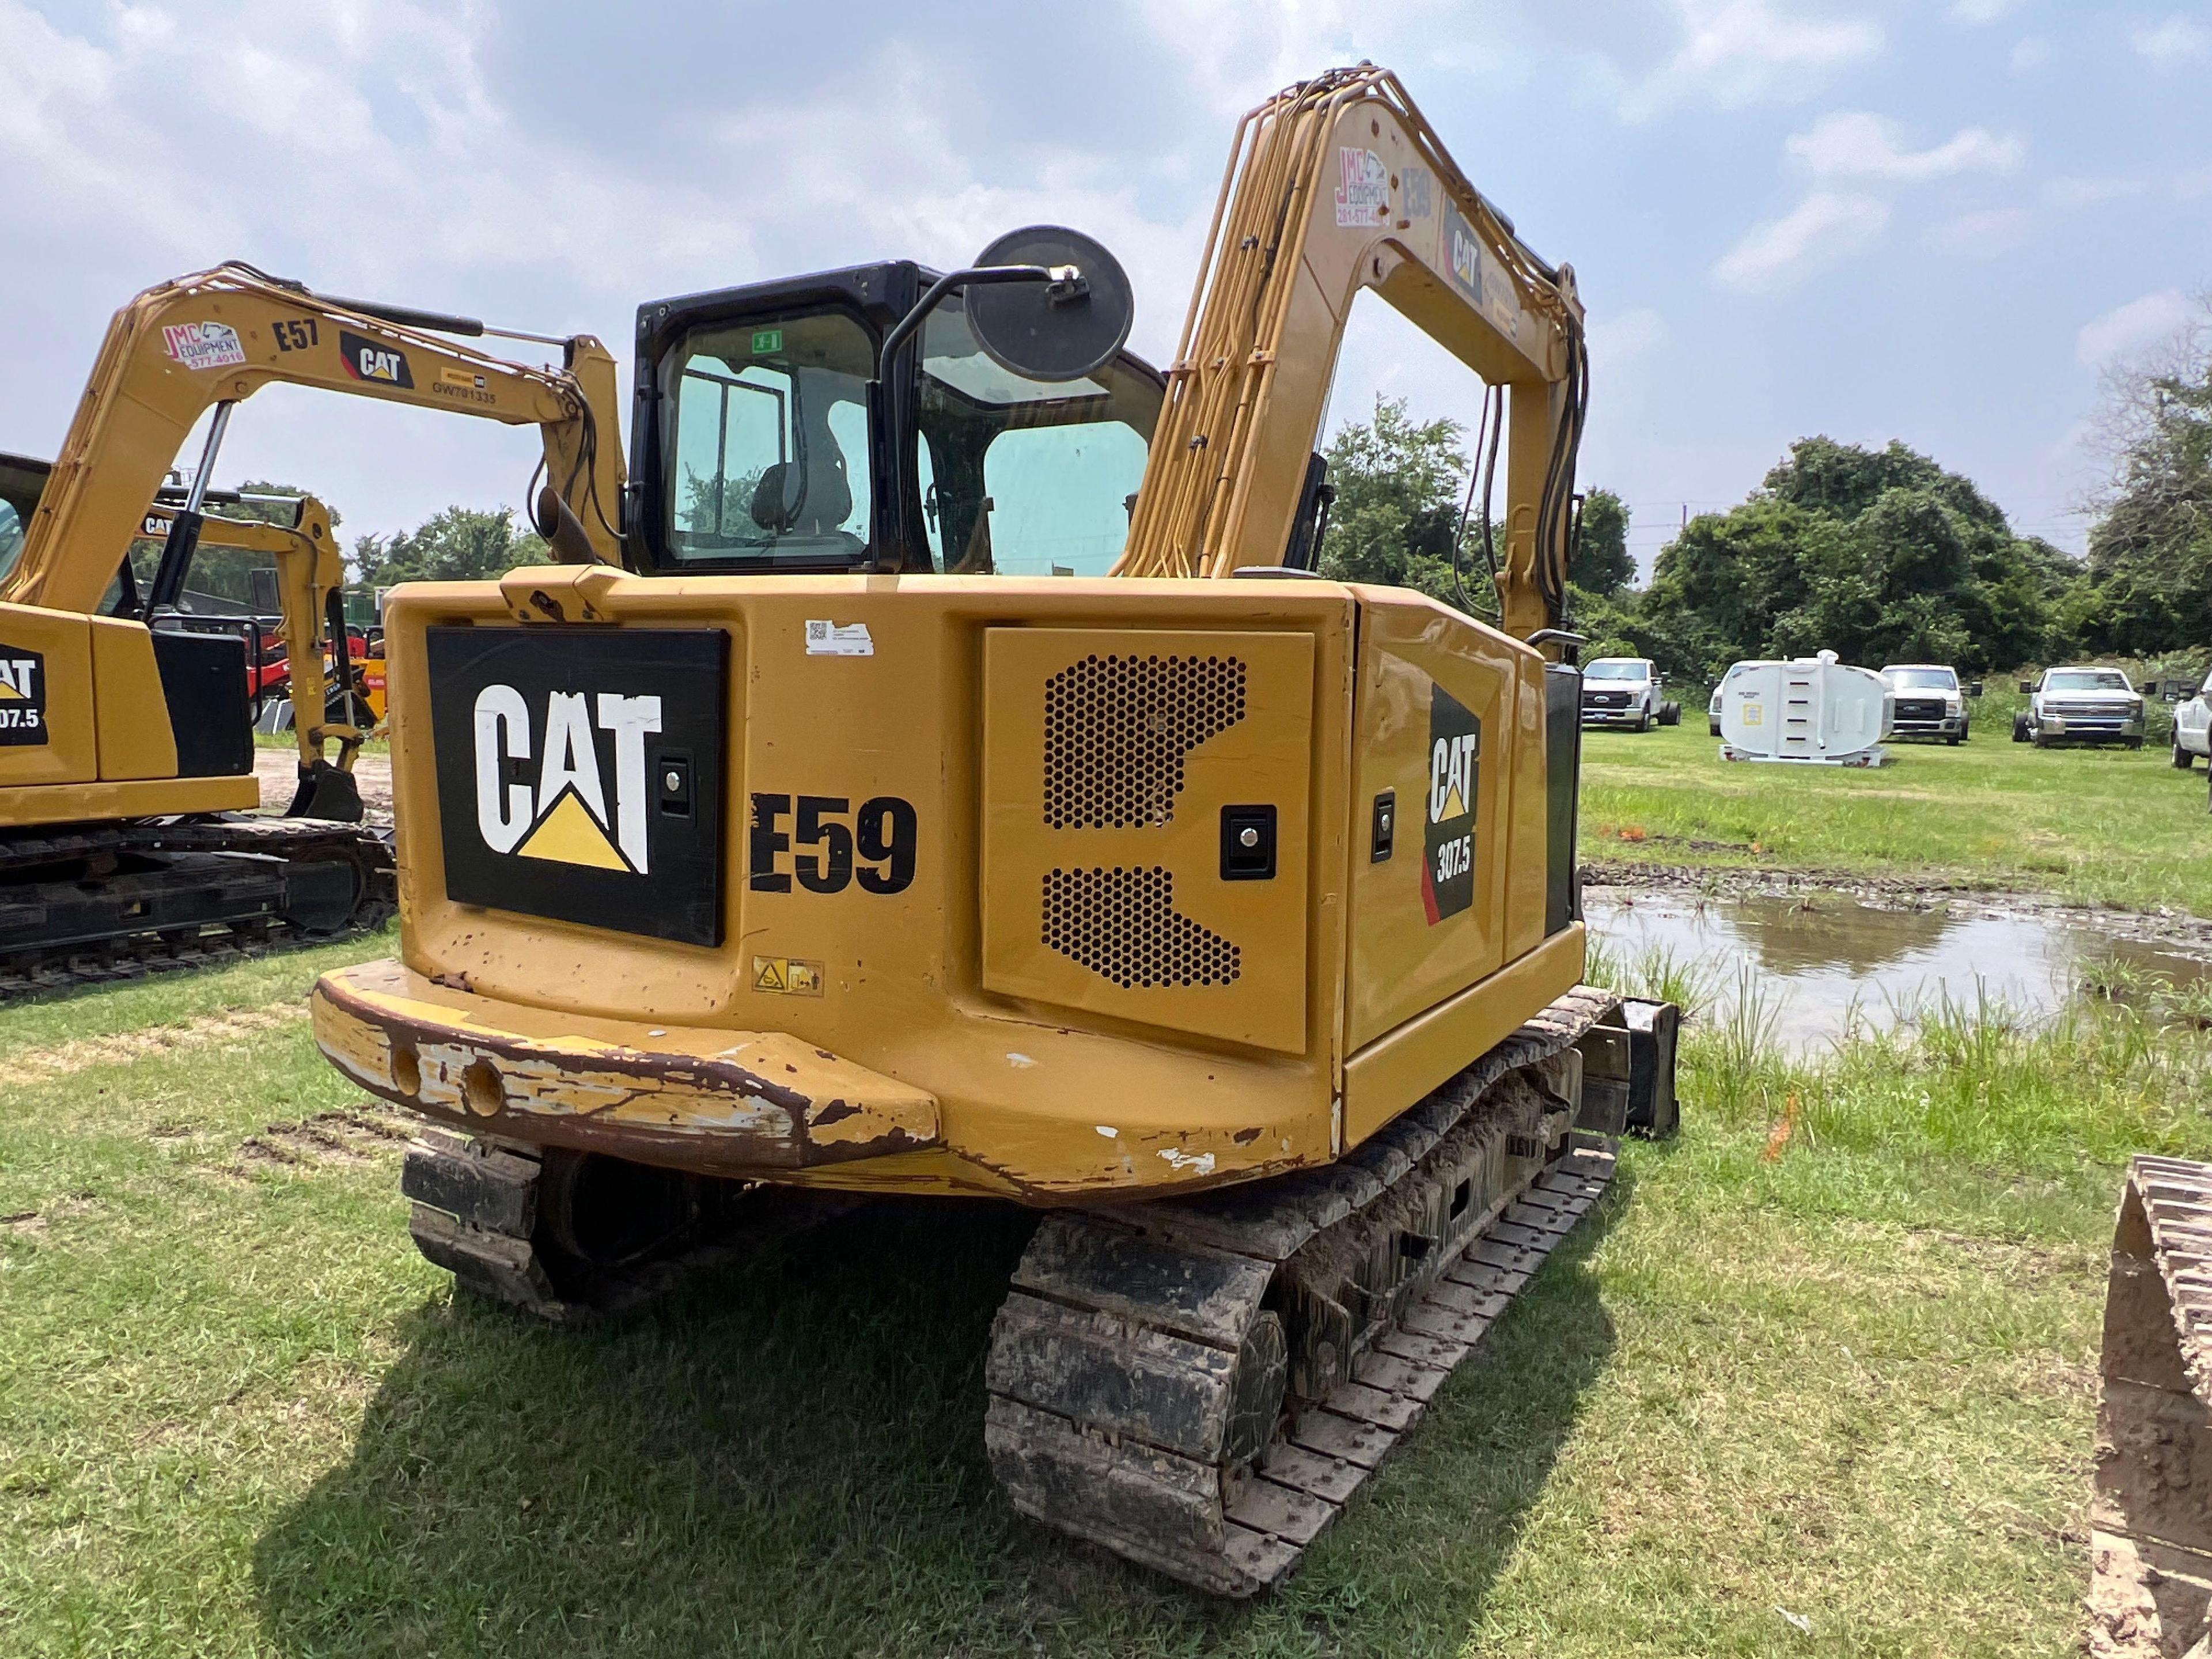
1335,185
211,340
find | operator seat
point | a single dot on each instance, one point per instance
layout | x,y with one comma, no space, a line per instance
813,497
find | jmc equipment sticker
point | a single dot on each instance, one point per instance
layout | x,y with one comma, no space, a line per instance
22,696
1363,189
204,345
580,774
1454,763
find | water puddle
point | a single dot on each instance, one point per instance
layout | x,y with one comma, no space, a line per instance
1815,961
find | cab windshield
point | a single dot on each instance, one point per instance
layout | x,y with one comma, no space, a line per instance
768,461
1616,670
1020,477
1921,679
2086,679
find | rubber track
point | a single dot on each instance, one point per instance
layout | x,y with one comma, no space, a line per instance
2176,1200
1092,1365
475,1214
29,973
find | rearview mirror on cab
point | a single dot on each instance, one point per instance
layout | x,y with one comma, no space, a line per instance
2027,686
1974,689
1056,330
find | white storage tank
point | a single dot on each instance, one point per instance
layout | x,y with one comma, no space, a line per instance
1813,710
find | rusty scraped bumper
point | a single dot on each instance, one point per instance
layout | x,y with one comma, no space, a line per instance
716,1101
2150,1519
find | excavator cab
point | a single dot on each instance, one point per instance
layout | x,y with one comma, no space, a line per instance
752,450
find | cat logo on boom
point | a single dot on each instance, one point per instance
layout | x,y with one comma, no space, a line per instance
374,361
22,695
567,819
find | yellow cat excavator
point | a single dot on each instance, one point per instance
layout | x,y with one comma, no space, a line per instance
128,673
970,788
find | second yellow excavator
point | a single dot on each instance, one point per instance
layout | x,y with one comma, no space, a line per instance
128,840
969,787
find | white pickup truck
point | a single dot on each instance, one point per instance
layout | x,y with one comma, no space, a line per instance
2193,726
2079,704
1624,692
1930,700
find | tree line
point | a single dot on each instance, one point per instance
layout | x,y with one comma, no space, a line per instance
1880,554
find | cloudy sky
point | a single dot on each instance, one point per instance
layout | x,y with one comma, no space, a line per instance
1933,221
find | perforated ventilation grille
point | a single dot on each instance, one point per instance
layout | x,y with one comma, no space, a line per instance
1116,729
1122,924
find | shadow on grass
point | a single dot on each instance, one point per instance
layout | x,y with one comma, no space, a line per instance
791,1461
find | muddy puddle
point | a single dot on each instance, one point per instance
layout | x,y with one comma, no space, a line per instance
1817,961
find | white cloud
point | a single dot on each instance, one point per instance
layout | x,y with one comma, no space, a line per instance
1826,227
1981,11
2030,55
2070,194
1620,339
2129,328
2178,39
1740,52
1856,145
1985,235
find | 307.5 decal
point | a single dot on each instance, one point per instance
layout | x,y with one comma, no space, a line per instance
809,838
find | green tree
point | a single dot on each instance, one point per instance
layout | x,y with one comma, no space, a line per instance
1877,555
1602,565
1399,490
461,544
2150,569
271,513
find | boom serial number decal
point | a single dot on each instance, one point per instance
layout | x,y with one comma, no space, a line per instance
22,696
820,849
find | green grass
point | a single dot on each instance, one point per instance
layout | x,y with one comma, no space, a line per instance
1845,1370
2111,826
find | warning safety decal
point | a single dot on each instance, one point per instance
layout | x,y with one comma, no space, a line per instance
787,976
1455,761
22,696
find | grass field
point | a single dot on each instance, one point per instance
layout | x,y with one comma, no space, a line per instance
1842,1369
2111,826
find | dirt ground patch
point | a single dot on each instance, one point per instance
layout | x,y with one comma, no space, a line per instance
36,1064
